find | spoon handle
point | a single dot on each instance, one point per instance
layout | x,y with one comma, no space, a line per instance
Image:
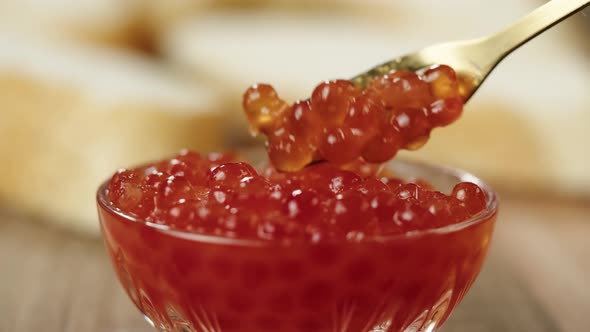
533,24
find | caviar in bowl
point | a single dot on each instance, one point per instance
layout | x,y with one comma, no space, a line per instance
186,281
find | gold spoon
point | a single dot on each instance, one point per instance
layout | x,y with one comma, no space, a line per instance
473,60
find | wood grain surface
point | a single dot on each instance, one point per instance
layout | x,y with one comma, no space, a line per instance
536,278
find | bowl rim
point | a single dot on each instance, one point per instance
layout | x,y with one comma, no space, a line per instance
487,214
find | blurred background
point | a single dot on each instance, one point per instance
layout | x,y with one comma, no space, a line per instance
89,86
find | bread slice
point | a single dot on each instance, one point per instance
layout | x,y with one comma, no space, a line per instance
525,129
159,17
112,22
72,115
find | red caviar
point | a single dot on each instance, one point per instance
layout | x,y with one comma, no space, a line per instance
196,193
341,129
341,122
334,241
322,242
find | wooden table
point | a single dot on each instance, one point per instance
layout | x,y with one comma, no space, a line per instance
537,277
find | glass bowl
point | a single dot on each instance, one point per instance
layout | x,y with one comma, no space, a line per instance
189,282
